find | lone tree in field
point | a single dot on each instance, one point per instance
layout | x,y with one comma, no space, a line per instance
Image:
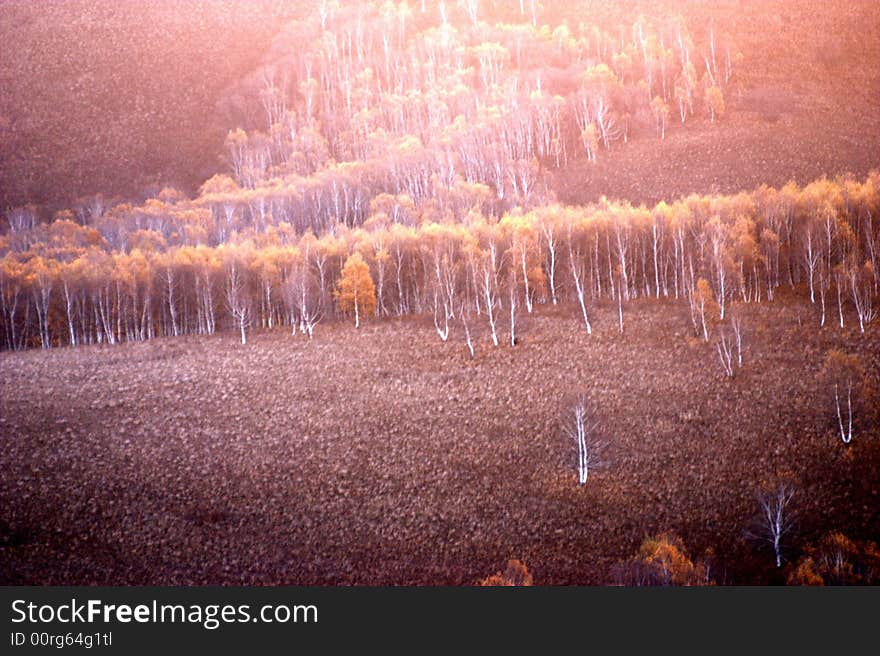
729,347
725,347
516,574
355,291
775,520
844,377
582,426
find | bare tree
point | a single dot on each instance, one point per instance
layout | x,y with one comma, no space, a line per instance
513,305
301,296
441,325
861,281
729,347
552,242
775,519
724,346
464,316
582,425
605,121
21,219
576,266
736,326
489,289
844,376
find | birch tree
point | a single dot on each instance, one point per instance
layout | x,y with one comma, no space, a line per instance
237,300
861,281
703,307
662,560
844,377
512,288
42,274
12,277
355,291
581,425
301,297
736,327
714,103
464,315
776,519
838,560
489,287
577,267
811,252
551,241
725,349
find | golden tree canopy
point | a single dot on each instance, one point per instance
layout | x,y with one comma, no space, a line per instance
516,574
355,291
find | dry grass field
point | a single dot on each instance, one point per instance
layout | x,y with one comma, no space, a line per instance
384,456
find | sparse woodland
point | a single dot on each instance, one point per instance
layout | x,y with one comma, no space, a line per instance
392,165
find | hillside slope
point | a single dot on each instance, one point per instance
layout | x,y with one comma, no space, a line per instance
121,98
110,97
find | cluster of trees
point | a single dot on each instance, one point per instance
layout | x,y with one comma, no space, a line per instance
367,98
663,560
133,275
431,109
515,574
835,559
838,560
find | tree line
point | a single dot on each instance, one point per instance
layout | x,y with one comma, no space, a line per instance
116,281
663,560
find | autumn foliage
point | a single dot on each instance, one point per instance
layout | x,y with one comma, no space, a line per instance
662,560
422,139
837,560
515,574
120,273
355,292
387,160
